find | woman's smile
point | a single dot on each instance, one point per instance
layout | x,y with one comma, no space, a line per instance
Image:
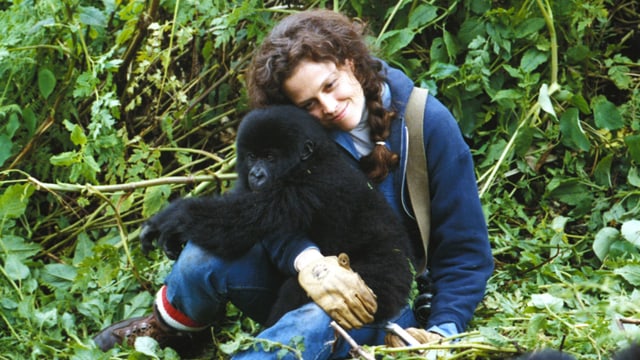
330,93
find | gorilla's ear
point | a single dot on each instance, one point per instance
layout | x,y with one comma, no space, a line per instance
307,150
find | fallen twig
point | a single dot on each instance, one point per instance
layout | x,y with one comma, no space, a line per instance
357,348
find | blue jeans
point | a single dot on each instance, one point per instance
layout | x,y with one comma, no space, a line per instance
200,284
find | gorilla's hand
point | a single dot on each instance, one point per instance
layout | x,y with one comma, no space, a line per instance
339,291
170,227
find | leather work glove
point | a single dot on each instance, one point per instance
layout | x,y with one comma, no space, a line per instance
339,291
423,337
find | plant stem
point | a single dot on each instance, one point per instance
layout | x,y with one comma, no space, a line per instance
66,187
548,18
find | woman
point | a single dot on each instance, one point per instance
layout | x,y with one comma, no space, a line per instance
318,60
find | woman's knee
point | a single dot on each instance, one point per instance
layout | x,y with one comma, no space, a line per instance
196,264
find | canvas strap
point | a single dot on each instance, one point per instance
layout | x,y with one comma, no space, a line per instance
417,173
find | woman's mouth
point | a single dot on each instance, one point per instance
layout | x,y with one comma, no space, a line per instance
340,115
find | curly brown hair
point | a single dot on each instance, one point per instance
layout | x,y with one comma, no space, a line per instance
324,36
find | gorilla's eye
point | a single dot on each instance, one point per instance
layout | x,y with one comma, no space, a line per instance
270,156
251,156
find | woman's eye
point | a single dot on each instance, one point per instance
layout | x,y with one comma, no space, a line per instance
308,106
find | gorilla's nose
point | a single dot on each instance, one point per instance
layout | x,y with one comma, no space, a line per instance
257,178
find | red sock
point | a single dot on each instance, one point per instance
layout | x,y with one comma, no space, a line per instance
174,317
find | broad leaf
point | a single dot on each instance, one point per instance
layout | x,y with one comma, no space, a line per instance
633,143
634,177
421,15
630,230
154,199
19,247
46,82
15,269
572,133
532,59
59,276
14,200
631,273
543,301
606,114
602,173
604,238
92,16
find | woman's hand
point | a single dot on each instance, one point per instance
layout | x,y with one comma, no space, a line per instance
339,291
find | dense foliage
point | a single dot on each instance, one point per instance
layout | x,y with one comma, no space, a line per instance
108,109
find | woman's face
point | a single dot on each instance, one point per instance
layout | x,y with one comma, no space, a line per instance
330,93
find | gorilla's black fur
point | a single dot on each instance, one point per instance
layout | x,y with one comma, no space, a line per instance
293,180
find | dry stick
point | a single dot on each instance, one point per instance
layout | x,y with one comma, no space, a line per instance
352,342
624,320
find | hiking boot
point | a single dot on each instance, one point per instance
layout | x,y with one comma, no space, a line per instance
126,332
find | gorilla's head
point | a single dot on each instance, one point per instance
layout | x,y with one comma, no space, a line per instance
277,142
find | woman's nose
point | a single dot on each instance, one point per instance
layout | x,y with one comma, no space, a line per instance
328,104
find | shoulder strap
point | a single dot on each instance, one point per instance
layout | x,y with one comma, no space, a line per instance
417,173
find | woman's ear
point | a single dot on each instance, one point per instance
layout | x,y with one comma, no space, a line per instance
349,64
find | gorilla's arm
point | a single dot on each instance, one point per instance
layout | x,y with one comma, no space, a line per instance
231,224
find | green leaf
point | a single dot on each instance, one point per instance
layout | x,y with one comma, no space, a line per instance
59,275
543,301
147,346
15,269
29,118
602,172
92,16
604,238
569,191
630,273
537,323
630,231
421,15
524,140
6,144
46,82
480,6
155,198
396,40
46,319
15,245
532,59
451,44
77,136
14,200
528,27
67,158
85,84
440,70
633,144
579,101
578,53
12,125
634,177
471,29
606,114
572,133
84,248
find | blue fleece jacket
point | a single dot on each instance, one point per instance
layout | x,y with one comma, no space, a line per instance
460,258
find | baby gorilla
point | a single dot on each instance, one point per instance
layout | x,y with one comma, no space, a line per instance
293,180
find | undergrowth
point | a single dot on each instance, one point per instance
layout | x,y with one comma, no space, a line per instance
108,110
